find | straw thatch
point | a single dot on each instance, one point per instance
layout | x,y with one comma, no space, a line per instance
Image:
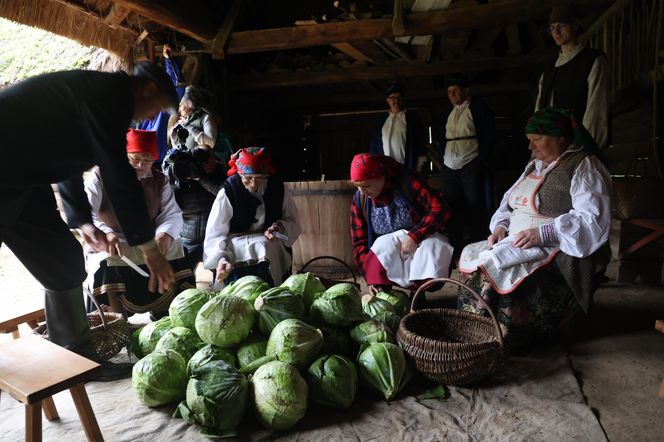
71,22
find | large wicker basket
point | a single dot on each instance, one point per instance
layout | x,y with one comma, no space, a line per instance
453,347
109,331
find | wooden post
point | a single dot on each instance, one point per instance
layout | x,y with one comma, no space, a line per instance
398,23
85,413
221,39
33,422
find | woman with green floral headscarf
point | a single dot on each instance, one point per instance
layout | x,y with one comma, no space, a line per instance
548,247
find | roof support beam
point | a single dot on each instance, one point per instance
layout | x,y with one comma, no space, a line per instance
221,40
389,71
116,16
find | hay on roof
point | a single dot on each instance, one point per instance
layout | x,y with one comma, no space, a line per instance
59,18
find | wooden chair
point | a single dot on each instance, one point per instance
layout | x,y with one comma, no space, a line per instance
33,369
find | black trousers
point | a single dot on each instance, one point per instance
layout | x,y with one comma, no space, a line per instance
464,191
31,226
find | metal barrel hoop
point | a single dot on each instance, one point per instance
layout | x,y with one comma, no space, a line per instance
333,258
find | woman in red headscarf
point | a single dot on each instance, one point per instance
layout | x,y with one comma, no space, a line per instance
396,222
108,274
252,222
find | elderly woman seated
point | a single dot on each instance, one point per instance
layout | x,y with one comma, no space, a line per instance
110,277
548,248
395,225
253,222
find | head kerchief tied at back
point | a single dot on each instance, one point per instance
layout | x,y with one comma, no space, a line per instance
370,166
142,141
250,161
561,123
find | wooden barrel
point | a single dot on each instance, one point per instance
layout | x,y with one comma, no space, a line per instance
324,210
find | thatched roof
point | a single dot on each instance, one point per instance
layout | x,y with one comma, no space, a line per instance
72,22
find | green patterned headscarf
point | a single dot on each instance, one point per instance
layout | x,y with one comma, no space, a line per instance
562,123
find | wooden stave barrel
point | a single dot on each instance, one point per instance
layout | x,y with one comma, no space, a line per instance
319,202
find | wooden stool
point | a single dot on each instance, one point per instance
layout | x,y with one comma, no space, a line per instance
33,369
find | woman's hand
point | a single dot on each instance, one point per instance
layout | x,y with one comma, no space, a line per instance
113,244
93,237
161,272
224,268
497,236
408,247
527,238
269,233
164,241
373,289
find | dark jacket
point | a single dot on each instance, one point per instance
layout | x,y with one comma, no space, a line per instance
64,123
415,141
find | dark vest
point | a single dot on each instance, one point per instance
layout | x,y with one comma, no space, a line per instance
581,274
151,190
245,204
569,83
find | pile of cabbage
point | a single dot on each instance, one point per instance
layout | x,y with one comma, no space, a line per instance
270,350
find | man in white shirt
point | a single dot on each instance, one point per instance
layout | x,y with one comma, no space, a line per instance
469,139
579,78
399,133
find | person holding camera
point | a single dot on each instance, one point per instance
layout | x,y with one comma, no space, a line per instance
112,280
253,222
193,171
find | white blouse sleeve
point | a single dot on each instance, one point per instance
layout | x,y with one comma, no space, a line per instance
586,227
216,232
93,189
169,219
596,118
502,215
290,219
208,135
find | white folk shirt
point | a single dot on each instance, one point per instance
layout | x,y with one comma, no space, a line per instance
460,123
394,136
596,118
252,246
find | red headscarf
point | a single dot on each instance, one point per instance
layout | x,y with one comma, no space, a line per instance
250,161
369,166
142,141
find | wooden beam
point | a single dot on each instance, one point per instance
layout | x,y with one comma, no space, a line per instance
389,71
352,51
96,15
221,40
494,14
193,20
398,22
611,12
116,16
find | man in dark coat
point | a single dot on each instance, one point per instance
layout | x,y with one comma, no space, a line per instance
399,133
57,126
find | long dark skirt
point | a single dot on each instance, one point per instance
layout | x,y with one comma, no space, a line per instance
131,289
540,309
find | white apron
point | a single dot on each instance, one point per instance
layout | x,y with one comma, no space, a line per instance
250,249
504,265
431,259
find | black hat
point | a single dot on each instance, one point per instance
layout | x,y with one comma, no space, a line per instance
152,72
564,13
394,88
457,80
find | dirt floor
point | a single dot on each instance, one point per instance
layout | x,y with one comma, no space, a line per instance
618,356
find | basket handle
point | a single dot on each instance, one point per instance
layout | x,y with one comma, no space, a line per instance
306,264
479,298
101,314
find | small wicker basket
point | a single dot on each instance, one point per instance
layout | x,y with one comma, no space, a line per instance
453,347
109,331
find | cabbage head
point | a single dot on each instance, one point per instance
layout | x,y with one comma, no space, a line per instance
338,306
152,333
332,381
216,396
336,342
248,288
399,300
225,321
371,332
160,378
251,349
210,353
275,305
280,395
373,305
390,319
383,368
186,305
295,342
307,286
180,339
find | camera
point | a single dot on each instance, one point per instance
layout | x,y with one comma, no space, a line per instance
182,134
187,163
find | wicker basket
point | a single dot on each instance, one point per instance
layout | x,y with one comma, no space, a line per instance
330,282
453,347
109,331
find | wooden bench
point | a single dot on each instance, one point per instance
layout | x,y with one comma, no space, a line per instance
32,319
33,369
